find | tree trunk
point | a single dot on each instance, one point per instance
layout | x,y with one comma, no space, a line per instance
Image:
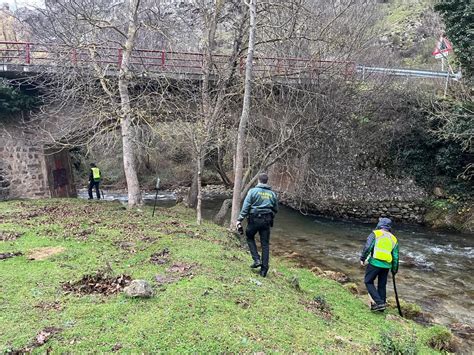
244,118
129,154
191,201
219,218
199,190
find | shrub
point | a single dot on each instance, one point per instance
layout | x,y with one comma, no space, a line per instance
410,310
393,342
440,338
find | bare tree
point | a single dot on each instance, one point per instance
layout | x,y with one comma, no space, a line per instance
244,118
96,74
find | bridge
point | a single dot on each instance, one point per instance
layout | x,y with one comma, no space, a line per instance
18,58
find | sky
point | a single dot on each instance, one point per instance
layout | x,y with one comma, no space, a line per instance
20,3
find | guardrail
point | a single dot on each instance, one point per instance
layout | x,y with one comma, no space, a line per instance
417,73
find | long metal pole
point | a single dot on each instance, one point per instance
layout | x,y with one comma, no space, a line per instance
396,296
154,205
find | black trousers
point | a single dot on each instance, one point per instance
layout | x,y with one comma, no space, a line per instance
379,294
261,225
96,185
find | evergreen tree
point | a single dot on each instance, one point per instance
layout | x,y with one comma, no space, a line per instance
14,100
458,16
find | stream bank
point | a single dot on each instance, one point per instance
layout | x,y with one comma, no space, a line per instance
433,263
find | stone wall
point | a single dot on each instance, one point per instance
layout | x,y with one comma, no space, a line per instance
22,165
409,212
338,189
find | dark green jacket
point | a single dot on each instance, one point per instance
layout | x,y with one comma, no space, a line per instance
260,199
369,251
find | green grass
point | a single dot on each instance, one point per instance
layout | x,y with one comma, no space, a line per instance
220,309
401,11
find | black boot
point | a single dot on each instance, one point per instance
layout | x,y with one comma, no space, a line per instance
378,307
263,272
256,264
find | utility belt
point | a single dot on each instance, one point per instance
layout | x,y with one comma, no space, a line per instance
261,218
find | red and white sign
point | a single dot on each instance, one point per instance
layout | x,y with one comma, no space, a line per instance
443,47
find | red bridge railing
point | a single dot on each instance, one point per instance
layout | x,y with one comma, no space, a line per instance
160,61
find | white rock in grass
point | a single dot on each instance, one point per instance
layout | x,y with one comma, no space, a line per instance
139,288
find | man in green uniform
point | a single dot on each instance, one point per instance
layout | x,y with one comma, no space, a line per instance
94,181
260,206
382,250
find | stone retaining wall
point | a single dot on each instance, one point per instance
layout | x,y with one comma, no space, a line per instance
28,169
399,211
332,187
22,167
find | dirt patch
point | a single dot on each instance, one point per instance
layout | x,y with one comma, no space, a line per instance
50,306
149,240
162,280
182,269
6,236
161,257
332,275
243,303
176,272
4,256
117,347
127,246
99,283
44,253
319,306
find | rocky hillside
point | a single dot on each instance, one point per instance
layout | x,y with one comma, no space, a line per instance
410,31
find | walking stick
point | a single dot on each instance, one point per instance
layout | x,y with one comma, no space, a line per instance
396,295
156,195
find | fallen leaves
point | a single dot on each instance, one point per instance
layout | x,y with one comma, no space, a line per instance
161,257
319,306
4,256
182,269
50,306
243,303
99,283
332,275
43,336
6,236
176,272
40,339
128,246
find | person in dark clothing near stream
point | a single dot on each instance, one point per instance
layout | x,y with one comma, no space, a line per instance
382,250
94,181
260,206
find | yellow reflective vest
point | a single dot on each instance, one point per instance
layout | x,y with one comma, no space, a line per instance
95,174
384,244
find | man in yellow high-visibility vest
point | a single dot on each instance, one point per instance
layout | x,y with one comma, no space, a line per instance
381,249
94,181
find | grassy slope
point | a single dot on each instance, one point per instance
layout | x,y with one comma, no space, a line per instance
220,309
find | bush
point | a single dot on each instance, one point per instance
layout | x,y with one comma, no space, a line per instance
393,342
409,310
440,338
14,99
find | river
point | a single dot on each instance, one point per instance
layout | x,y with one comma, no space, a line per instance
436,268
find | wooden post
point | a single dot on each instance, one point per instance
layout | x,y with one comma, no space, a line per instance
27,53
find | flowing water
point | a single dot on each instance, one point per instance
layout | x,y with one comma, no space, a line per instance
436,268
